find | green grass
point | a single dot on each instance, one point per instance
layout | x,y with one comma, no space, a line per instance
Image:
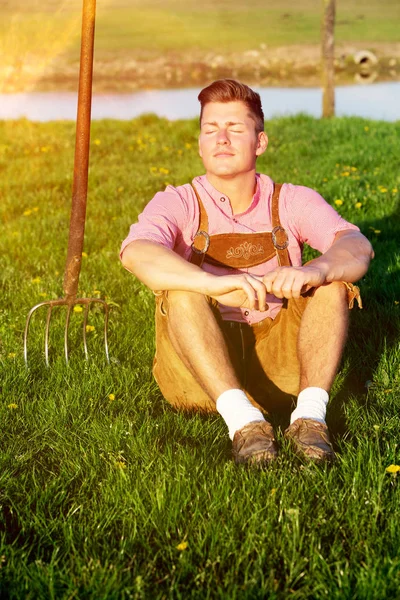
96,494
142,30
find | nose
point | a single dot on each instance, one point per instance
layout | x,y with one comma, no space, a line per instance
222,137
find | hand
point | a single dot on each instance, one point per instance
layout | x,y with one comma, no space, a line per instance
291,282
238,290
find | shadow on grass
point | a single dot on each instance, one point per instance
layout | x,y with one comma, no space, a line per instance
374,331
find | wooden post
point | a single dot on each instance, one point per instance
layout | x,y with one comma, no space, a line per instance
328,67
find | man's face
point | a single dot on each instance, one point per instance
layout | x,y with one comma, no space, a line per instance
228,142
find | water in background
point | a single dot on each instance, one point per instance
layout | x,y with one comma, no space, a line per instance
380,101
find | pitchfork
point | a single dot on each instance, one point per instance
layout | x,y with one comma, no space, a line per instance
79,196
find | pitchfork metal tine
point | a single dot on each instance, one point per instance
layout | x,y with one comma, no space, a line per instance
28,320
106,331
46,339
84,330
66,333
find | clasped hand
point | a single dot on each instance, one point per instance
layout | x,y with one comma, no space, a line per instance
249,291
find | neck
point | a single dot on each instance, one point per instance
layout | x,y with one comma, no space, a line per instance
240,189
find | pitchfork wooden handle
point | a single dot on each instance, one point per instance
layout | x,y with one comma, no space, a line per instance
81,163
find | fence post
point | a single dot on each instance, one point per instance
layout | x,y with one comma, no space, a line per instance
328,67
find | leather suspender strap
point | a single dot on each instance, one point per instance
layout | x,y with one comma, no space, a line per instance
201,241
279,236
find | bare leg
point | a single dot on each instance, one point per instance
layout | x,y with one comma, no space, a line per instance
199,342
322,336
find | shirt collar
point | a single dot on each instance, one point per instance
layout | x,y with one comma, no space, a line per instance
216,196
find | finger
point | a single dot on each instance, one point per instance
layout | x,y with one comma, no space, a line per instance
282,285
298,285
250,292
261,292
269,279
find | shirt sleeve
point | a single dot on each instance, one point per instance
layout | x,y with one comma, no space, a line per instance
312,220
162,221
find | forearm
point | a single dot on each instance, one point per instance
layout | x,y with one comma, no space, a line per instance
162,269
347,259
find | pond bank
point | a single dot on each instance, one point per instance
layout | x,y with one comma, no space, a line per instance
297,65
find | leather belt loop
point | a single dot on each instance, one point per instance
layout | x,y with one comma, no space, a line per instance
280,243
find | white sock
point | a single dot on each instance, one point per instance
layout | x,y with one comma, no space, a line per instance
237,410
311,404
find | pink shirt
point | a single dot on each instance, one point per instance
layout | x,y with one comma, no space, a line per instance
171,218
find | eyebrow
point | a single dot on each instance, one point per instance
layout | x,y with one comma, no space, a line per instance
228,123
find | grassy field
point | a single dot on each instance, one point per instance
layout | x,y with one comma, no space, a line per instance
105,491
172,43
135,28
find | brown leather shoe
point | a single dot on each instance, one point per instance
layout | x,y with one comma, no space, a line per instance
311,440
255,444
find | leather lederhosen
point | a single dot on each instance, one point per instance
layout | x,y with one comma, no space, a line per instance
241,250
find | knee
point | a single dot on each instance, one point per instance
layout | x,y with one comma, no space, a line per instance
334,292
178,300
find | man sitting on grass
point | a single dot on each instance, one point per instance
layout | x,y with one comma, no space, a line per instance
242,327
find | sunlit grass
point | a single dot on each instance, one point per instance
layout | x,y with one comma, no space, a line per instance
105,491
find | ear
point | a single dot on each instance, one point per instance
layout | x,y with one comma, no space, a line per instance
262,143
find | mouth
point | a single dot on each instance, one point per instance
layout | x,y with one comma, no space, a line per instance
223,154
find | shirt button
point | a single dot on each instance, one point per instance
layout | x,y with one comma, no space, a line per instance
222,199
246,313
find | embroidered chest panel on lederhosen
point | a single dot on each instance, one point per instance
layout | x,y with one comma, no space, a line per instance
241,250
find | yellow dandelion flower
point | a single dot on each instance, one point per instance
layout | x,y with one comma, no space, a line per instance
42,294
325,179
338,202
153,169
35,208
98,292
13,406
36,280
164,171
188,146
97,142
383,190
394,191
11,355
111,397
358,204
345,174
121,189
353,169
366,128
44,149
393,469
120,464
84,254
27,212
182,546
377,231
78,309
90,328
396,302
